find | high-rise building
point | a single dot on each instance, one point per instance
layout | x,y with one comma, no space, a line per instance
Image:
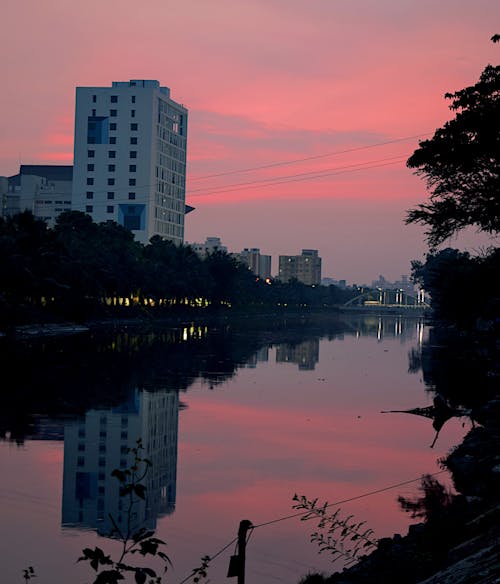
130,158
306,268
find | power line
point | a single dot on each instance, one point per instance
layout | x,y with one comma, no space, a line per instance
306,158
300,176
302,513
355,498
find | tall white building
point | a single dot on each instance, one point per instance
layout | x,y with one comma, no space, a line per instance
130,158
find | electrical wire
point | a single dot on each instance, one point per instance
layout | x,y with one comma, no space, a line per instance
302,513
355,498
306,158
299,177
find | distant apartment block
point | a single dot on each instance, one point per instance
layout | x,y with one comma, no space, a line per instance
45,190
306,268
258,263
211,245
130,158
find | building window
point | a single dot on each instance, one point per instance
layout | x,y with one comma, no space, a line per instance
133,154
90,195
89,209
110,209
131,196
112,126
133,98
132,113
90,180
102,462
131,182
80,461
132,168
133,140
91,153
112,140
134,127
93,112
94,98
111,167
111,182
90,167
111,195
114,99
112,154
113,113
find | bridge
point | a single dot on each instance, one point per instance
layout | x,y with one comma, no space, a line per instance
389,298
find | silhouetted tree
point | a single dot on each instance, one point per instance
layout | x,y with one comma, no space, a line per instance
461,164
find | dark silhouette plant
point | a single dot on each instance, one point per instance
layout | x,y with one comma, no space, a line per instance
341,537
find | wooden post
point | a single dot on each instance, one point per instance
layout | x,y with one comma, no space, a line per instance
242,544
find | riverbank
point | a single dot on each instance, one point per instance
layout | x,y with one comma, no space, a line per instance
459,542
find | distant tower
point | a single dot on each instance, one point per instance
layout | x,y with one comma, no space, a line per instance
130,158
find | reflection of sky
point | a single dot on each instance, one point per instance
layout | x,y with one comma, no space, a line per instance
244,449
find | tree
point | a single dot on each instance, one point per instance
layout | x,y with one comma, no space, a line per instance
461,164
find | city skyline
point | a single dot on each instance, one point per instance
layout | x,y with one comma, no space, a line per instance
345,90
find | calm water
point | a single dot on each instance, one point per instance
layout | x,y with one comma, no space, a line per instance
236,421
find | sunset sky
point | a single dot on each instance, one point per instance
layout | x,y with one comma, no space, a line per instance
275,89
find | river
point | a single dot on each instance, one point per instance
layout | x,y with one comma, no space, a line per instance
236,418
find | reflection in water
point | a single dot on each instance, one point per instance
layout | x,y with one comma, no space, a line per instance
273,430
305,354
440,412
100,443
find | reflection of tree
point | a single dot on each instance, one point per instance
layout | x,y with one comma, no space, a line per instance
440,412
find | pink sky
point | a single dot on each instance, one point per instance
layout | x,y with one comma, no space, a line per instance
264,82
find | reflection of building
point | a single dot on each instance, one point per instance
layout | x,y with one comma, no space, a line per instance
100,443
45,190
130,158
305,354
260,356
306,268
258,263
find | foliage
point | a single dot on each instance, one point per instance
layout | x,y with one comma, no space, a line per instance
341,537
81,270
462,288
142,541
431,505
202,571
461,164
28,574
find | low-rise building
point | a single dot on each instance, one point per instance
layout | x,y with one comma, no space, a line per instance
258,263
211,245
45,190
305,268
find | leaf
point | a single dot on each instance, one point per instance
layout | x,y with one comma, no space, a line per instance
140,577
109,577
119,474
140,491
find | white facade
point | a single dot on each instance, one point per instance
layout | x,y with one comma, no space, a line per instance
45,190
211,245
130,158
